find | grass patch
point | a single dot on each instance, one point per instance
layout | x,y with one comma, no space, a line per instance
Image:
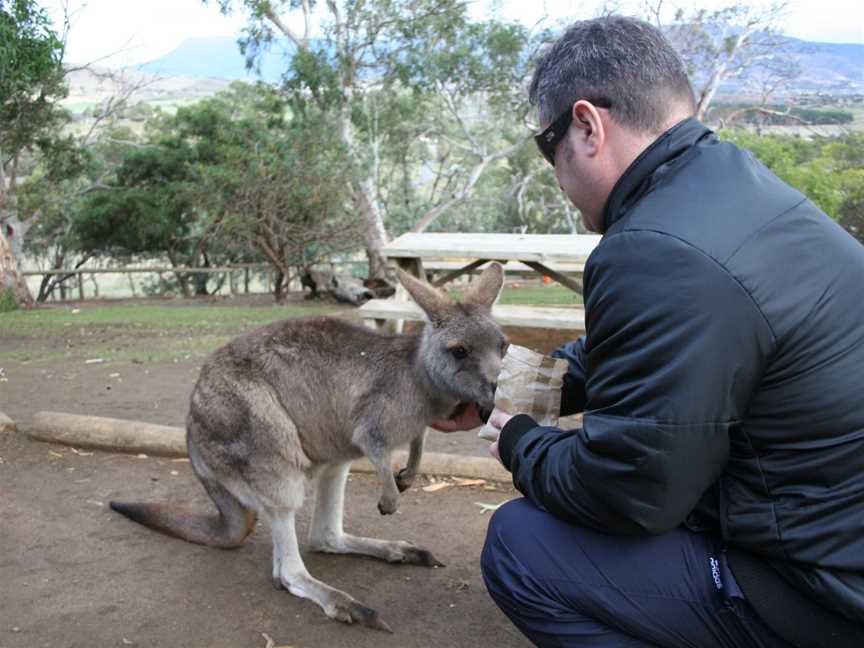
546,295
153,319
154,332
551,295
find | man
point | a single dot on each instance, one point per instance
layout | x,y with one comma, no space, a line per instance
714,495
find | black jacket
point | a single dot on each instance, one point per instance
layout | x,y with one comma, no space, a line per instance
722,374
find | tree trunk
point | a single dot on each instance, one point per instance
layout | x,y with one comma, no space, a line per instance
10,276
182,277
365,197
365,190
374,234
706,96
12,239
278,292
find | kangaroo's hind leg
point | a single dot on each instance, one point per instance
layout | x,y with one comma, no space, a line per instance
326,533
227,529
289,571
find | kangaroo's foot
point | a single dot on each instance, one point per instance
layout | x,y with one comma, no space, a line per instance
335,603
393,551
404,479
290,573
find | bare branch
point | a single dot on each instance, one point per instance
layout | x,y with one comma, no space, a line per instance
301,42
464,193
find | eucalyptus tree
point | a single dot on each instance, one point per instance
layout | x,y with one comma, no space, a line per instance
726,43
235,177
31,82
273,182
390,76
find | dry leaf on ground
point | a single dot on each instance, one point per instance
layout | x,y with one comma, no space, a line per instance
431,488
271,643
488,508
470,482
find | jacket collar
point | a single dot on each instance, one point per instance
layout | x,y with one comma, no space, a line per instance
636,179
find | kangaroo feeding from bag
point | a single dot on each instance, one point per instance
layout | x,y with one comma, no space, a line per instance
300,399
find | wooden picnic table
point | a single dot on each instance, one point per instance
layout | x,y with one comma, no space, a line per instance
551,255
544,253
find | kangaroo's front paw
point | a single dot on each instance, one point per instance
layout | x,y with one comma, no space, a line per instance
404,479
388,505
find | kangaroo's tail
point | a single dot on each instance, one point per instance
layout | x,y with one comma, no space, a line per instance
228,529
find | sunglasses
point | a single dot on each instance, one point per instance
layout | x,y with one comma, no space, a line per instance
548,140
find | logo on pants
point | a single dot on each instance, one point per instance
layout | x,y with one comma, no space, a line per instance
715,572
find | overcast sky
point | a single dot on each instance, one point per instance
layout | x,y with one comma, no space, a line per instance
141,30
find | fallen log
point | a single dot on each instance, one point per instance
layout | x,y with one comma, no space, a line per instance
138,437
112,434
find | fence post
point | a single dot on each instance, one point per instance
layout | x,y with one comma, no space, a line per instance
246,280
81,286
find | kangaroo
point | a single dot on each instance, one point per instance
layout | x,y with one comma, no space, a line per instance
299,400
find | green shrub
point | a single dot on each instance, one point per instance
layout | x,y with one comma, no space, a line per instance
7,300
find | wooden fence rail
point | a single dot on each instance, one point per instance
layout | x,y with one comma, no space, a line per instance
229,271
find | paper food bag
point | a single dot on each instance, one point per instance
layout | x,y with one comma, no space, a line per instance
529,383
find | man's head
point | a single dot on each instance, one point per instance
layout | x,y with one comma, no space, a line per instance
605,90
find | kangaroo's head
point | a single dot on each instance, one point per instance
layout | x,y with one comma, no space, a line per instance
462,346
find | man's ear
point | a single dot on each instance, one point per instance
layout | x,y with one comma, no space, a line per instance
589,127
485,292
434,303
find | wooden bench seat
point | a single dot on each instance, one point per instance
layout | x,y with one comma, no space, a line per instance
571,318
511,267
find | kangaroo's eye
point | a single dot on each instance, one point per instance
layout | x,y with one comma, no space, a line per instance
459,352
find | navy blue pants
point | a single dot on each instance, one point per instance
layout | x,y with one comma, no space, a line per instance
563,585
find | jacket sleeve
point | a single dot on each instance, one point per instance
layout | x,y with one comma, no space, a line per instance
674,351
573,387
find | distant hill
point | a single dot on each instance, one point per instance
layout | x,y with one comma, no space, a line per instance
828,67
93,85
216,57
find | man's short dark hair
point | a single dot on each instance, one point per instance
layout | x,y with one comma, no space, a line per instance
624,60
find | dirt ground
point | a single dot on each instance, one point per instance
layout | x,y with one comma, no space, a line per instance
74,574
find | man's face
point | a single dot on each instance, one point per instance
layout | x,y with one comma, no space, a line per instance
576,171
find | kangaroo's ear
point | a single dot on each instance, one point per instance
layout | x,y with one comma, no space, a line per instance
485,292
434,303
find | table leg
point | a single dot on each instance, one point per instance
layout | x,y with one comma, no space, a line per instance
413,266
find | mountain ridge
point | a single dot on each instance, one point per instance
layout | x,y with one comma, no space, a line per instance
830,67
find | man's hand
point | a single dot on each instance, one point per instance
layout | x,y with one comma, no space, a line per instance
499,420
464,417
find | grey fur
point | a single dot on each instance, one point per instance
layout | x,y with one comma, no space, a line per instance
299,400
624,60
